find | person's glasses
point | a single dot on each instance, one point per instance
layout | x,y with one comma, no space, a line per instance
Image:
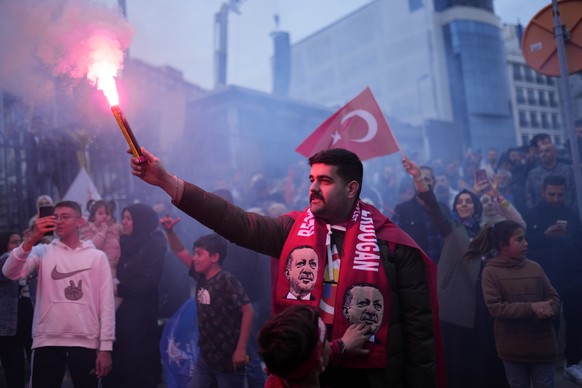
64,217
15,241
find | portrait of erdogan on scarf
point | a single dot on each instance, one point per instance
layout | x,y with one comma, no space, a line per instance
301,272
363,302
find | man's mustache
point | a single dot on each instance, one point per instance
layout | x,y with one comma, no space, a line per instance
306,276
315,196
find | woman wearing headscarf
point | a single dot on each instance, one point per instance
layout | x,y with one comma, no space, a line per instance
136,358
467,328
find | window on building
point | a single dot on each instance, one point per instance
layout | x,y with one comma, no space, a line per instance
542,98
555,121
552,98
533,117
524,139
551,81
517,72
413,5
529,76
540,78
545,120
520,95
523,122
531,97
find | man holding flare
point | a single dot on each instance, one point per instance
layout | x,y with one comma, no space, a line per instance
368,248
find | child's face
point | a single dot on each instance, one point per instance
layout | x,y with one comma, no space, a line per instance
203,260
101,216
517,247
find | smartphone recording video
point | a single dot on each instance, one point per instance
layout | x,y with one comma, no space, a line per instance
45,211
481,175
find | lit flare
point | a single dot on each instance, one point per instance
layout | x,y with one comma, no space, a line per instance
102,74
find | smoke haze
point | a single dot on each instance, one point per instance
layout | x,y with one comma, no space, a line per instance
41,40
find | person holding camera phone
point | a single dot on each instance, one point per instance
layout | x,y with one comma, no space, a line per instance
471,359
553,233
495,206
74,314
41,201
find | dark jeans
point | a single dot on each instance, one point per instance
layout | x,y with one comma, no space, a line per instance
12,357
209,377
529,374
49,363
573,318
471,358
14,348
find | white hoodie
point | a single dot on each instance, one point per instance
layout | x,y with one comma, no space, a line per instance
74,297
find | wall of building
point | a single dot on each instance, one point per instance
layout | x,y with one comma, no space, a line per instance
535,97
425,67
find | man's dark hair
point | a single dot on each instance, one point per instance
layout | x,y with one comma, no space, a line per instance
514,149
554,180
429,168
537,139
349,165
213,243
287,340
71,205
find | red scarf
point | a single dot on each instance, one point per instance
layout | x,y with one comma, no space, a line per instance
360,263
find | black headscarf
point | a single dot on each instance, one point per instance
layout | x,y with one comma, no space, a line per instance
145,224
472,224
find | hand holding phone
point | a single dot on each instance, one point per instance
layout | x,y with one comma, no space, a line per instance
481,175
482,183
46,211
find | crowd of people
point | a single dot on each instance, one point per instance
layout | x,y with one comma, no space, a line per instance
448,273
81,294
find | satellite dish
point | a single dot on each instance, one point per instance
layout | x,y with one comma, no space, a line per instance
538,44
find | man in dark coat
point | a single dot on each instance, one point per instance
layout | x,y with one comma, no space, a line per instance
554,232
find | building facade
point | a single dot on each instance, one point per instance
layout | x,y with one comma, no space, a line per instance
535,97
439,65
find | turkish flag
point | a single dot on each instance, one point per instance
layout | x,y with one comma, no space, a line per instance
359,126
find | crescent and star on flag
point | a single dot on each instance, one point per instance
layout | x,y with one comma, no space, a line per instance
374,136
371,123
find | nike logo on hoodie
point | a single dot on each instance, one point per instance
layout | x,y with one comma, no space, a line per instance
56,275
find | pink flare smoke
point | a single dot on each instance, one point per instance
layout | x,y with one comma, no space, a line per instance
41,39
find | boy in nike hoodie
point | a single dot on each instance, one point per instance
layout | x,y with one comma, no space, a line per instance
74,315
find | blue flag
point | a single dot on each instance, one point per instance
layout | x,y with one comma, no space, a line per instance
178,345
